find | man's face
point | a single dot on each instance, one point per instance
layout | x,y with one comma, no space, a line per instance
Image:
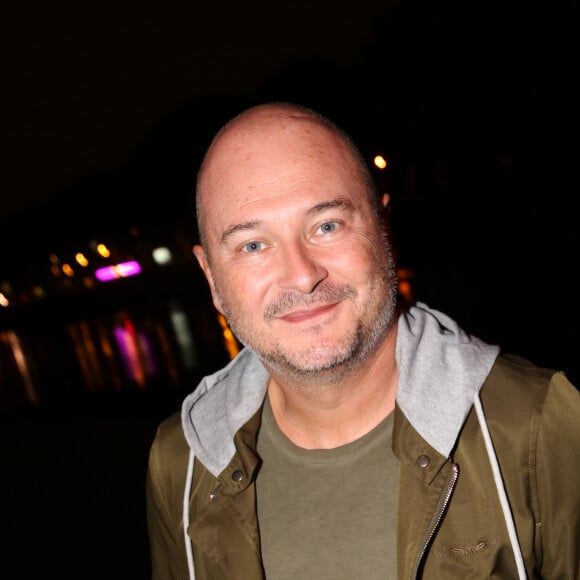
296,258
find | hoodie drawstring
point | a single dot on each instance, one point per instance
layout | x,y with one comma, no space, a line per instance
507,514
186,494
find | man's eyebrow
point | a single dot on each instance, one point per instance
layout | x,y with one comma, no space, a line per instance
241,227
340,203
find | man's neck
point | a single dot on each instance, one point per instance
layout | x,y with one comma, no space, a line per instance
327,416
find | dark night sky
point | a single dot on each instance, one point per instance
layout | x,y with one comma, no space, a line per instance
85,86
116,98
85,83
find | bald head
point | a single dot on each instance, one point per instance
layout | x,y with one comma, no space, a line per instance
270,138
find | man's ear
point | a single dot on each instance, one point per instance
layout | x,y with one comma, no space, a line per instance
201,257
385,201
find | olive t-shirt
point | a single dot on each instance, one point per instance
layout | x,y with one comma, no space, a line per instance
327,514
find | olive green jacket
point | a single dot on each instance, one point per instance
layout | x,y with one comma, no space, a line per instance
451,522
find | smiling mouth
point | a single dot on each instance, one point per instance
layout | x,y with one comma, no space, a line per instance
307,314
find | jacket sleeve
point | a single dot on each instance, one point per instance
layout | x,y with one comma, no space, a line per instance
164,486
558,481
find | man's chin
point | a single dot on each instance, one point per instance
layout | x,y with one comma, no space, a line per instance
308,362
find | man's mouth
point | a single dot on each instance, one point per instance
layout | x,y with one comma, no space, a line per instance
295,306
305,314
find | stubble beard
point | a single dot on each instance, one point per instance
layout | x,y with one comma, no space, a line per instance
325,364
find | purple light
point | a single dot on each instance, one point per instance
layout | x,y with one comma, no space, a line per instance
121,270
106,274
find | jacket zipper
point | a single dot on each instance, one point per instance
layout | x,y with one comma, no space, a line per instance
438,515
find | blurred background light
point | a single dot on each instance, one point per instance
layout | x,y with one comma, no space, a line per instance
162,255
103,251
184,336
121,270
380,162
81,259
230,341
39,292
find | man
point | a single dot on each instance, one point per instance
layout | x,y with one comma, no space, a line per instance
352,437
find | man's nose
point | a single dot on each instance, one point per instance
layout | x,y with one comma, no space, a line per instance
301,269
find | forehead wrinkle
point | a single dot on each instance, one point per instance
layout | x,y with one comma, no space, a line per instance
253,195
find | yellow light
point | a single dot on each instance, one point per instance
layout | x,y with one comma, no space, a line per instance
405,290
103,250
68,270
230,341
3,300
380,161
406,283
39,292
81,259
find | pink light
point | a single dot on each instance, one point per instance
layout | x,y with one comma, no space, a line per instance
106,274
121,270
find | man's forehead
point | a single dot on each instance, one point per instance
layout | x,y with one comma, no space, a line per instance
269,124
275,146
270,135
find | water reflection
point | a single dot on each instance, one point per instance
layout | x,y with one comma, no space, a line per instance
145,347
15,367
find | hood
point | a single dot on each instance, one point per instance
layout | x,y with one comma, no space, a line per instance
440,370
220,405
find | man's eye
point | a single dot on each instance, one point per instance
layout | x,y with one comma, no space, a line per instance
327,227
252,247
